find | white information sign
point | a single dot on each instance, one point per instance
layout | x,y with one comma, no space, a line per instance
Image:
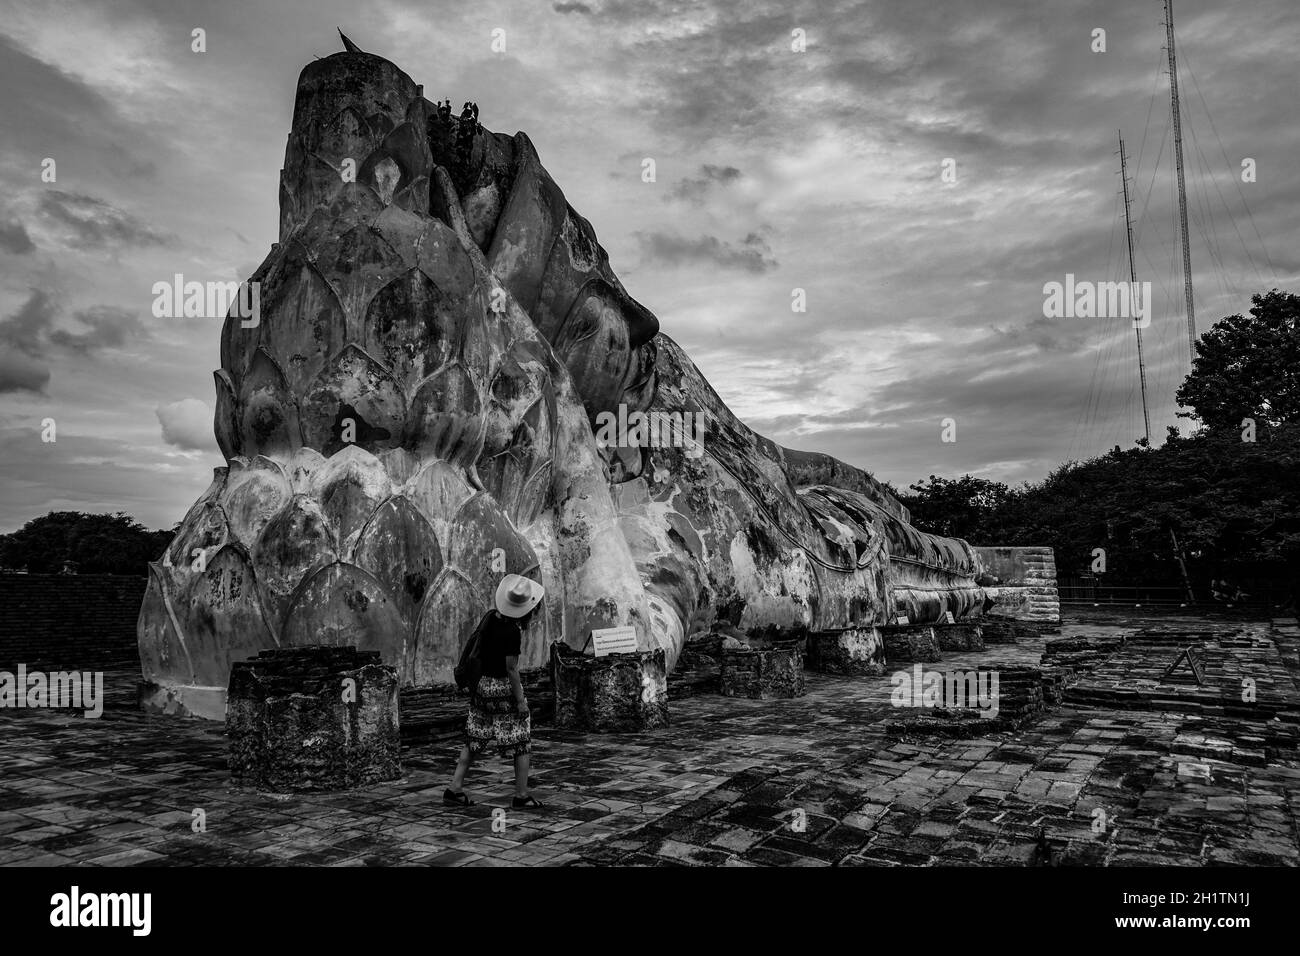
948,618
613,640
902,619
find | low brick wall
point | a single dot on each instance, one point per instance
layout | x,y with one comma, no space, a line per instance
79,621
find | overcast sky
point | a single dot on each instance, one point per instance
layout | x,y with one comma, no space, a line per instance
776,169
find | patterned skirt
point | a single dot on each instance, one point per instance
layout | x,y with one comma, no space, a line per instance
494,722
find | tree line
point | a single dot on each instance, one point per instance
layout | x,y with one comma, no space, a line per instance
1223,502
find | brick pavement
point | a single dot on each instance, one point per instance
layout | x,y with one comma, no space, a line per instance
809,782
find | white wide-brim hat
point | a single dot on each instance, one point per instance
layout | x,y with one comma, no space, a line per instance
517,595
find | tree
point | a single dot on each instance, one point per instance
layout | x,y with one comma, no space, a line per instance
1248,367
98,544
967,507
1234,506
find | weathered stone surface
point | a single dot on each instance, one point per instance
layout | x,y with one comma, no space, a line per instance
910,643
313,718
762,671
855,650
614,693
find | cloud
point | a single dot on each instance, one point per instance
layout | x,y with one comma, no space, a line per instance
187,424
26,330
92,471
48,111
28,338
96,224
22,373
694,189
107,327
581,8
752,255
14,238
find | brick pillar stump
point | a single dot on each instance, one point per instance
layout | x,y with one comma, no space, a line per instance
910,643
959,637
849,650
313,718
762,671
611,694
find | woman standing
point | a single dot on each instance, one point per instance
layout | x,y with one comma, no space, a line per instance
498,710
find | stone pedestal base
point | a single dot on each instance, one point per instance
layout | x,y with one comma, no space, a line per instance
313,718
611,694
762,672
910,643
959,637
853,650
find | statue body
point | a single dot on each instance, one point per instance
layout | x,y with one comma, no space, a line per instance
415,413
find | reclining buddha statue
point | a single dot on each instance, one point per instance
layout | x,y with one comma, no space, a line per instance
425,405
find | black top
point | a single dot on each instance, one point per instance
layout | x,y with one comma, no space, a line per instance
500,639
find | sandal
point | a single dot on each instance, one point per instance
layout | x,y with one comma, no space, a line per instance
456,799
526,803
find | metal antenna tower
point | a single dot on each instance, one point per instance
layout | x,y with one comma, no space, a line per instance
1133,286
1182,185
